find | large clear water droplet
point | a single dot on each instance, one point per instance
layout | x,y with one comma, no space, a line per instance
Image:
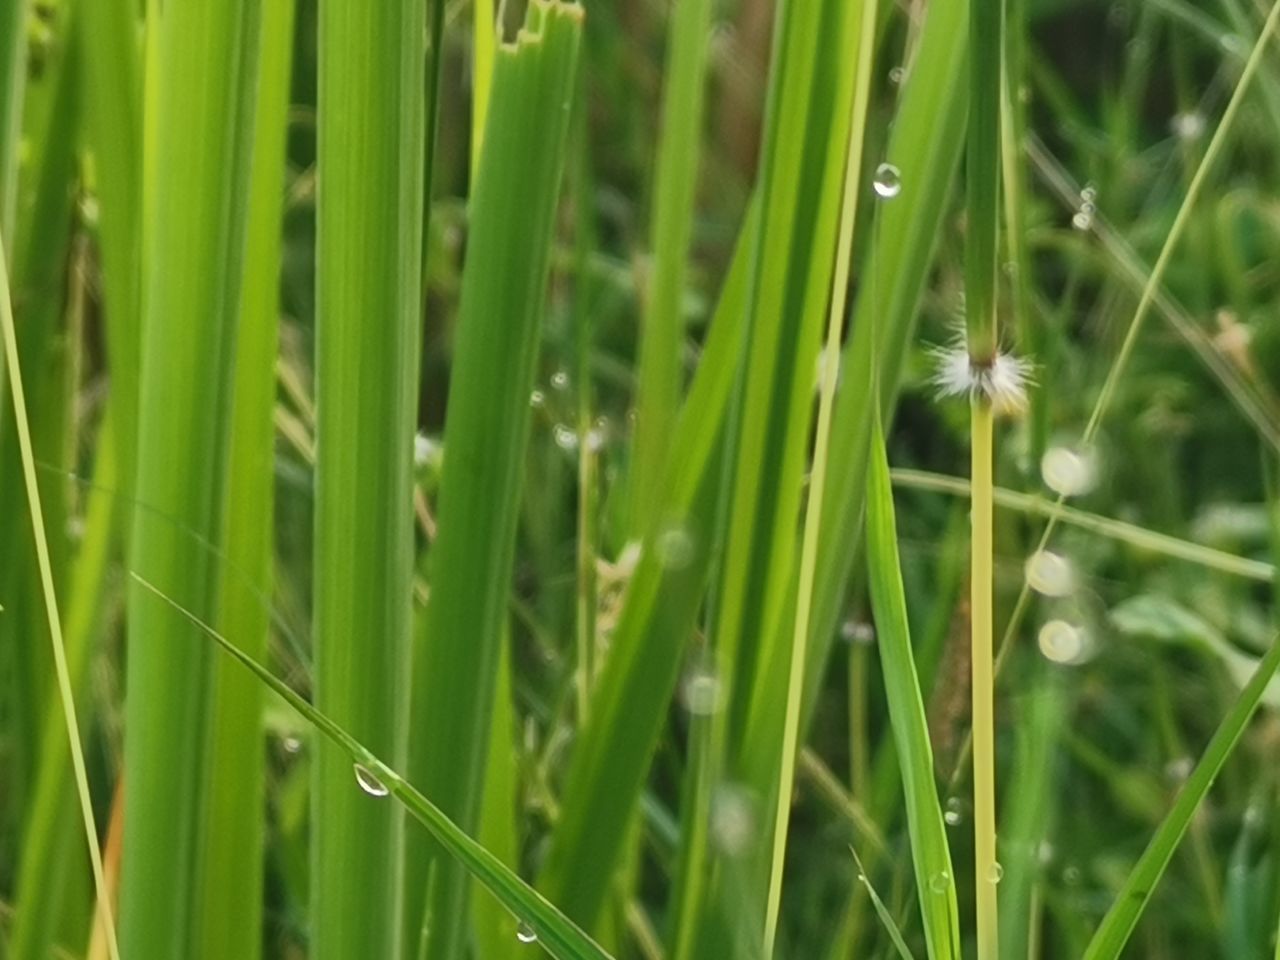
526,933
369,781
888,181
995,873
940,882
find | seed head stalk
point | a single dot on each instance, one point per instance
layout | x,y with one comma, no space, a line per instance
985,366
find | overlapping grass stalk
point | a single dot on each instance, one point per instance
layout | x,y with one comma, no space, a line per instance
205,55
371,125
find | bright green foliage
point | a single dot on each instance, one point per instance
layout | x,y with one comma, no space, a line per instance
371,118
206,56
503,290
934,873
230,915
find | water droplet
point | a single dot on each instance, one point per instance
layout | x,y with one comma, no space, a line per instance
560,380
940,882
369,781
1045,852
1050,574
526,933
566,437
597,435
1072,876
701,691
425,450
954,815
896,75
1233,44
1089,195
675,548
291,744
733,819
857,631
995,873
1178,769
537,399
888,181
1187,126
1062,642
1083,218
1068,472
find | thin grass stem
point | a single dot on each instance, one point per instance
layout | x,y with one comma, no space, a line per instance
50,600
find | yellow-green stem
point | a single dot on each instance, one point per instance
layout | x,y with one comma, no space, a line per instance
982,601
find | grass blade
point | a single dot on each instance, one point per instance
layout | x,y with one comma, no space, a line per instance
229,920
554,931
13,77
371,124
503,292
931,855
674,187
64,682
1117,926
195,235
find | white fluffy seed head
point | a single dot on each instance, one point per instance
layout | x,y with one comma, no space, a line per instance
1003,381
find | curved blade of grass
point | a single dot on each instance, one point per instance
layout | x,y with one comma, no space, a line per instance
931,855
554,930
886,918
371,117
1116,927
195,236
229,918
65,687
660,368
503,292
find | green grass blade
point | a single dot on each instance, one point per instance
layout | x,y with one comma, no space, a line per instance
1117,926
107,46
229,918
634,689
503,292
829,373
554,931
371,116
13,78
195,236
926,145
931,855
660,366
63,673
882,912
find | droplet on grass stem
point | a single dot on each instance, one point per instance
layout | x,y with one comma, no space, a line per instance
1050,574
995,873
888,181
1068,472
701,691
369,781
675,548
526,933
940,882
